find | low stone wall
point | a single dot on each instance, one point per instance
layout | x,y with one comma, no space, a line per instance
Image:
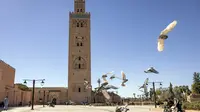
141,103
161,110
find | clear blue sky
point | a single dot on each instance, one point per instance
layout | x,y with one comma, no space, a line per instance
34,39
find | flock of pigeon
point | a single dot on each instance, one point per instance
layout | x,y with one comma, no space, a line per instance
144,86
105,85
163,36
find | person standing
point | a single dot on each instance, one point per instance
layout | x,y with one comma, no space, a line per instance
6,102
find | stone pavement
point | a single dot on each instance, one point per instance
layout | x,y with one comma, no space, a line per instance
65,108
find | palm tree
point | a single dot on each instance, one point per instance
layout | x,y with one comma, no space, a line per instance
134,95
99,81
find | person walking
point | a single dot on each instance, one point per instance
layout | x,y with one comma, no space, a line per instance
6,102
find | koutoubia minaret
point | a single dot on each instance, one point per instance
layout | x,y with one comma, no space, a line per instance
79,63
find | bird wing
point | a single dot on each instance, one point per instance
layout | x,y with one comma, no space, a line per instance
104,79
141,86
123,75
113,87
126,106
146,81
105,94
160,46
86,82
122,84
112,77
105,75
169,28
110,72
165,32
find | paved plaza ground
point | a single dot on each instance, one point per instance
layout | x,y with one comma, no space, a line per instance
65,108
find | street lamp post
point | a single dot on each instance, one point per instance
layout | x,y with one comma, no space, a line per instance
154,91
42,84
33,91
44,99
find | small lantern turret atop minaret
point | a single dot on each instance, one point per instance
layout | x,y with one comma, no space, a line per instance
79,6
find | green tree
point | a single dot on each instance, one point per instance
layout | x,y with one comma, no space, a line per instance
171,93
134,95
178,93
187,90
196,83
22,87
151,93
164,94
181,92
158,92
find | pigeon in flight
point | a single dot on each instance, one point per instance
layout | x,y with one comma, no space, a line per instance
144,86
151,70
163,35
124,79
87,84
105,82
106,95
110,87
122,109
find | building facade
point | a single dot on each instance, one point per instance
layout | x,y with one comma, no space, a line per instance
7,77
8,88
99,98
79,57
58,95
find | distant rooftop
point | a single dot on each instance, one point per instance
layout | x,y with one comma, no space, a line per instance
49,87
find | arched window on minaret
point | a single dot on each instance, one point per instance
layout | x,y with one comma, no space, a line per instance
79,41
79,4
79,66
77,24
79,63
81,44
81,24
79,89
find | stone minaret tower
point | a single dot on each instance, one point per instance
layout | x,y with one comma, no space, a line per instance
79,63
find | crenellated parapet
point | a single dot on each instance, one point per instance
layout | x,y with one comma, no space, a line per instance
79,15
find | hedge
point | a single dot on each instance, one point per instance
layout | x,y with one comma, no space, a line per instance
191,106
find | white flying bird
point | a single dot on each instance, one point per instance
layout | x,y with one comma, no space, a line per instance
163,35
124,79
151,70
87,84
105,94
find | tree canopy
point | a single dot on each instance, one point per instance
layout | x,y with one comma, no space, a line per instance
196,83
23,87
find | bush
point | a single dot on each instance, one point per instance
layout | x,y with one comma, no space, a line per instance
191,106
